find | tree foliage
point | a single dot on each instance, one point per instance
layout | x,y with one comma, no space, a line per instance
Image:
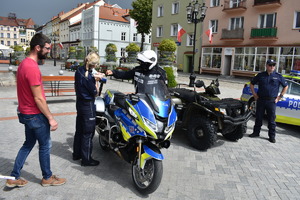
142,14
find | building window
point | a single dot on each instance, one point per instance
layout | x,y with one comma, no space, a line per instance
235,3
2,35
15,36
8,43
123,52
297,20
212,57
236,23
2,42
123,36
159,31
267,20
8,35
15,43
149,38
214,3
174,29
175,8
190,40
8,28
214,25
160,11
135,37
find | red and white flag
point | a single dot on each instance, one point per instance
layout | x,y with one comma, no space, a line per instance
209,34
180,33
60,45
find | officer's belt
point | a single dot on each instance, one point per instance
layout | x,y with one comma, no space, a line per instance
267,98
85,100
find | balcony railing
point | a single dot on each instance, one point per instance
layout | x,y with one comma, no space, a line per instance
264,2
229,5
264,32
233,34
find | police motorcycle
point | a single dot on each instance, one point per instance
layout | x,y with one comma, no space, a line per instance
136,127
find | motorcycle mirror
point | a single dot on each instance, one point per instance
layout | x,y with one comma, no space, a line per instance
199,84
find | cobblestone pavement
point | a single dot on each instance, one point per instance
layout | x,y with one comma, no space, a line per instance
247,169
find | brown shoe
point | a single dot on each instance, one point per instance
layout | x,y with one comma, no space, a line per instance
16,183
53,180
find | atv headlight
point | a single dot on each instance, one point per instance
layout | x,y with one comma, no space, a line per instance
150,124
223,111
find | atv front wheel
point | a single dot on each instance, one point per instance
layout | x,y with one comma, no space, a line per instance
201,133
237,133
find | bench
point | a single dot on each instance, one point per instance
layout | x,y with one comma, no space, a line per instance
58,85
249,74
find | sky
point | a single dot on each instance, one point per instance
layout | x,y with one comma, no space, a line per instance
41,11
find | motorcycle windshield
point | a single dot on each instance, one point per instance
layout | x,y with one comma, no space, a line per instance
154,87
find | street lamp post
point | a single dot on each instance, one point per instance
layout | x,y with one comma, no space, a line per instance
195,14
54,38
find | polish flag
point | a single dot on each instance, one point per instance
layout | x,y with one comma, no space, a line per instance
209,34
180,33
60,45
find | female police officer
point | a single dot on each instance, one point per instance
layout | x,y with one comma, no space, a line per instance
267,97
86,90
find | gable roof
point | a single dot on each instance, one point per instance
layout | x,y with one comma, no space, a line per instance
6,21
113,13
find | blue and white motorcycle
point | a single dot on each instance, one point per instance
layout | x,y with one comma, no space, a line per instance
136,127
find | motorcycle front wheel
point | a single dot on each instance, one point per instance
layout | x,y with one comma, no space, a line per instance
148,179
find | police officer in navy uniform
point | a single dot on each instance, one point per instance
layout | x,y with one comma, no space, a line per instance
86,79
147,73
267,97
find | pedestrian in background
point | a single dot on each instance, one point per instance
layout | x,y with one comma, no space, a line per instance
34,113
267,97
86,88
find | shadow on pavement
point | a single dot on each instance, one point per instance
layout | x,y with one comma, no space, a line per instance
111,168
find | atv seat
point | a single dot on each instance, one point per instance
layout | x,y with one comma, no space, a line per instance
185,94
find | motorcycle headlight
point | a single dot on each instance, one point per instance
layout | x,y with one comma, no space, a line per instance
132,113
169,128
150,124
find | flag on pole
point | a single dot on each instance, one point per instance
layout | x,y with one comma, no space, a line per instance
60,45
180,33
209,34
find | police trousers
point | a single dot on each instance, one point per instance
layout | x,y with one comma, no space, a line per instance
269,107
85,129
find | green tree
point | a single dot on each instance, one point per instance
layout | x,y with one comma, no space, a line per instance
142,14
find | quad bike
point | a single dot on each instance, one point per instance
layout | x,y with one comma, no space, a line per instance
204,114
136,127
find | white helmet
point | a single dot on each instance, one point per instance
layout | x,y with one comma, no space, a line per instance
148,57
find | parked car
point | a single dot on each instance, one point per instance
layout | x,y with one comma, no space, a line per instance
288,108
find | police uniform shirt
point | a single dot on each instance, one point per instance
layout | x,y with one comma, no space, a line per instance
85,86
268,85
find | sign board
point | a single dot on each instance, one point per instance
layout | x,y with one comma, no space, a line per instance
156,44
228,51
178,43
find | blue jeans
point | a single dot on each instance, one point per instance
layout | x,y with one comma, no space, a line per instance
37,128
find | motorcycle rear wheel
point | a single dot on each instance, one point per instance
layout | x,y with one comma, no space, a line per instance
148,179
103,144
